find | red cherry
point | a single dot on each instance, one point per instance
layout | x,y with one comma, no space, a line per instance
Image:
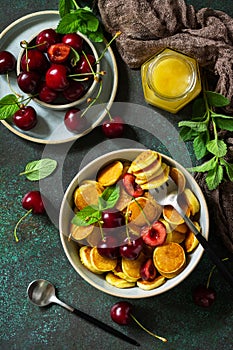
46,94
108,247
74,122
131,187
155,234
74,91
25,118
33,200
58,53
148,271
204,296
113,128
47,37
56,77
131,250
7,62
34,60
120,312
28,82
83,65
74,40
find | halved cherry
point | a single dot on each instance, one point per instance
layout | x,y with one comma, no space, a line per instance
131,187
58,53
155,234
148,271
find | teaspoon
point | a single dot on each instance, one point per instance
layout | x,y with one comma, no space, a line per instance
42,293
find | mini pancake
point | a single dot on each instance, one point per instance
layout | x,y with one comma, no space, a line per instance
123,200
179,178
101,263
191,242
110,174
84,253
131,268
151,211
157,181
118,272
117,281
95,237
175,236
143,160
146,285
169,259
172,216
87,194
80,232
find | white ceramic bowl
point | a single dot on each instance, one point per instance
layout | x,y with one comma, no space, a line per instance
66,105
70,247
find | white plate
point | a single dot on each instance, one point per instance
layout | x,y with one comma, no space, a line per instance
50,128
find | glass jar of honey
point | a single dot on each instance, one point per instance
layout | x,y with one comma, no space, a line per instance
170,80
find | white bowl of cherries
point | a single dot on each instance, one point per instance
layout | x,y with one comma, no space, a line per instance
58,71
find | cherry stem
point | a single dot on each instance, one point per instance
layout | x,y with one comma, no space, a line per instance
126,225
153,335
94,100
20,220
211,273
145,217
107,46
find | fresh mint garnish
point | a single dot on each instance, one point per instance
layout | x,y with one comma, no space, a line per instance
206,142
74,19
9,104
93,213
39,169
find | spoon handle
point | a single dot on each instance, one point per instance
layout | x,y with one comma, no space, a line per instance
105,327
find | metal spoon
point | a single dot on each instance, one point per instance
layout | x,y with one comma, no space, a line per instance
42,293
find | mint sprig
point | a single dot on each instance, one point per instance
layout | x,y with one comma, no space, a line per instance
9,104
203,130
39,169
93,213
74,18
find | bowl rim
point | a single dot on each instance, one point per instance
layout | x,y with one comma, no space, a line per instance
72,104
93,279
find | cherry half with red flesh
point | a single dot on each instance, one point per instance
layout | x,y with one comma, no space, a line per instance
131,187
46,38
25,118
34,60
74,40
113,128
58,53
7,62
121,312
148,271
109,247
56,77
155,234
74,121
28,82
204,296
132,248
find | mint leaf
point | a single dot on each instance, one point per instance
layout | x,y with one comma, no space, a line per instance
198,108
199,145
210,164
229,168
217,147
8,106
196,126
216,100
39,169
224,123
187,134
110,196
97,37
68,24
64,7
87,216
214,177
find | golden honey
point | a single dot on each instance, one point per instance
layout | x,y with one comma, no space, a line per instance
170,80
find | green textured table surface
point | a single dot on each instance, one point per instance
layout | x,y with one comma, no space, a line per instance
39,253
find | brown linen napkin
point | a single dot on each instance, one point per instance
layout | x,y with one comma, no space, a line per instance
149,25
